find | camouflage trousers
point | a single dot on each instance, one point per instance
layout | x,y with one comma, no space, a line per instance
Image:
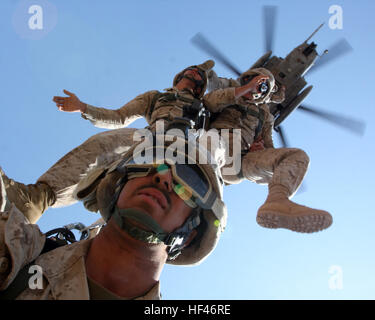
65,174
282,166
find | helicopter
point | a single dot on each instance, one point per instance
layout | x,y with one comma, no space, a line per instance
290,72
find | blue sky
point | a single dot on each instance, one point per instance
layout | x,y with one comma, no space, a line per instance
107,52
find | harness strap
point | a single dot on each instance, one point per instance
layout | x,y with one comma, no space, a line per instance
247,111
168,96
157,235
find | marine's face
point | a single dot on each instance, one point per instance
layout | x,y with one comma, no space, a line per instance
154,195
191,74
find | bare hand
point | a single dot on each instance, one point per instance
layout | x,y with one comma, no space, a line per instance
70,103
257,145
252,87
254,84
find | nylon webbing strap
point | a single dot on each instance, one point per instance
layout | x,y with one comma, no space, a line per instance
21,281
154,99
168,96
19,284
258,130
142,235
247,111
156,236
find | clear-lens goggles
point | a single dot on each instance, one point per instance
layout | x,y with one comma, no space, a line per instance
189,181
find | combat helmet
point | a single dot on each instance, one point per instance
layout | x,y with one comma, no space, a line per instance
100,190
268,88
203,70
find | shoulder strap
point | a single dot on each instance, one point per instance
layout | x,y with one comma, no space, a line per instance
153,101
247,111
258,130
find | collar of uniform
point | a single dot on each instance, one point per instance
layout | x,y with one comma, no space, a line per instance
68,277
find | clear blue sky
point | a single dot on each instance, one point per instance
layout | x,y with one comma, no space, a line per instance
107,52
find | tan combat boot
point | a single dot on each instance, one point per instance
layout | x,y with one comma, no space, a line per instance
279,212
32,199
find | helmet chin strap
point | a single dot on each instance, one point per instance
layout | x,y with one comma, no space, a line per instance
175,240
198,83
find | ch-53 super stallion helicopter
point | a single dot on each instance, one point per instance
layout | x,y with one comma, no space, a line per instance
290,72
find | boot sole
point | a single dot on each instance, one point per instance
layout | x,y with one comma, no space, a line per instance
303,224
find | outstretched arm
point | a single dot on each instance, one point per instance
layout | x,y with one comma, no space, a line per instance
107,118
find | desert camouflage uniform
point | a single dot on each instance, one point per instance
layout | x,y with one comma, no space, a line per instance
282,169
286,166
64,270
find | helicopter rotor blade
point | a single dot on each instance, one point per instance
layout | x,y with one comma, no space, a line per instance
353,125
280,131
338,49
269,23
200,41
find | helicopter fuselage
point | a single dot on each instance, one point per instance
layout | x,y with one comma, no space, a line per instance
289,72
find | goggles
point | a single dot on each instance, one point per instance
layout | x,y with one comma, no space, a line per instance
189,181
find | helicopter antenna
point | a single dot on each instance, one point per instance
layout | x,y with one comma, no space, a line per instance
314,32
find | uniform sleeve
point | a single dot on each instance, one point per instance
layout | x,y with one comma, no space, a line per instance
267,128
5,258
215,82
114,119
217,100
20,243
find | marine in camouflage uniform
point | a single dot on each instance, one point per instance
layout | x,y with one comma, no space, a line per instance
76,272
282,169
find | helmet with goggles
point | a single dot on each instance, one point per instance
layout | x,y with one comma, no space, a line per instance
202,70
265,89
198,183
